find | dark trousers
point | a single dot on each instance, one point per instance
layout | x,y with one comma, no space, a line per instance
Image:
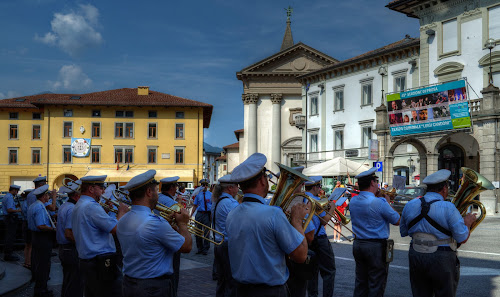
95,285
434,274
10,221
177,267
296,285
225,281
150,287
72,285
326,267
371,267
40,260
203,217
254,290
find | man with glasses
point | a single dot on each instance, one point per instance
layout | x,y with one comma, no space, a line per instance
370,217
321,245
93,230
434,265
224,194
202,206
149,242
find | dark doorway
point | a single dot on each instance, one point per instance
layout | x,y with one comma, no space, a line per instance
451,157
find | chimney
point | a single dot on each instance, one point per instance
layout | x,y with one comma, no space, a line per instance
142,91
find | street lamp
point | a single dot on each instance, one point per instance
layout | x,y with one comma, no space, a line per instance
490,44
382,71
410,165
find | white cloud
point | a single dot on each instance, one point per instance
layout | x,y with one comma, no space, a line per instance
71,77
75,31
9,94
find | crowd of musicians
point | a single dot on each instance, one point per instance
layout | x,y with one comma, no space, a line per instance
134,249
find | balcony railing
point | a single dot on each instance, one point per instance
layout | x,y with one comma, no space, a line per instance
300,121
475,105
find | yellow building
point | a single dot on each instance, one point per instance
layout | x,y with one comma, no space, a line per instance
121,133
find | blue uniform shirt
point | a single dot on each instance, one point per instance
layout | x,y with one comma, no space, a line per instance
148,243
8,203
259,237
223,208
64,221
199,201
318,221
370,216
91,228
38,216
165,200
30,199
443,212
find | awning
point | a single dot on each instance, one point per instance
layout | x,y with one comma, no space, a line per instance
186,175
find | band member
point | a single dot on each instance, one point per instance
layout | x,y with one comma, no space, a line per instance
26,230
203,205
370,217
224,194
167,197
39,181
321,246
93,229
72,281
260,235
42,228
149,242
10,219
434,265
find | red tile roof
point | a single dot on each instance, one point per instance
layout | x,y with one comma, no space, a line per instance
118,97
221,158
231,146
405,6
237,133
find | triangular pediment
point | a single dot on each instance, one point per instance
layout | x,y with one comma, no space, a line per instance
298,59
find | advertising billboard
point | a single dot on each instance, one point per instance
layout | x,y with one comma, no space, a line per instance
429,109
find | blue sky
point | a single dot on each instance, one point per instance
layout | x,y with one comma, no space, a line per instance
190,49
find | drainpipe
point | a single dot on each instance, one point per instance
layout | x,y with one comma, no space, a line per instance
48,143
495,156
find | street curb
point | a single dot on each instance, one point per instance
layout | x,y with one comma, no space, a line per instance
15,277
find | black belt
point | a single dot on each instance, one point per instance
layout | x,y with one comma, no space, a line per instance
321,236
380,240
161,277
445,249
204,211
68,245
257,286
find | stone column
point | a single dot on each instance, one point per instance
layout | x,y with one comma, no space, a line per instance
251,100
276,132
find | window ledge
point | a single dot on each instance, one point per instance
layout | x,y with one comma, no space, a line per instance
449,54
314,115
365,105
339,110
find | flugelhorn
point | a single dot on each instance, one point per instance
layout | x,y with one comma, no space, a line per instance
167,212
471,184
284,197
72,184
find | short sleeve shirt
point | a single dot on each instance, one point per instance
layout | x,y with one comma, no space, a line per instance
8,203
64,221
198,201
38,216
224,207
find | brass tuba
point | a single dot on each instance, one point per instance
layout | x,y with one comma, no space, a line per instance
471,184
284,197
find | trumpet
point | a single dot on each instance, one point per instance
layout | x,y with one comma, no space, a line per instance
72,184
167,213
337,216
115,203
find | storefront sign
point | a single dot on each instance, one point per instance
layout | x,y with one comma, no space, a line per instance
80,147
351,153
373,149
429,109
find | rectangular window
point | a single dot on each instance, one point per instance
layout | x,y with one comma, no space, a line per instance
96,130
12,156
119,130
95,151
339,100
339,139
13,132
129,130
37,116
314,143
67,129
179,114
314,105
35,156
152,130
450,38
493,22
179,131
118,155
224,167
96,113
129,155
124,114
68,112
400,84
151,155
152,114
36,132
179,155
13,115
367,94
367,136
67,154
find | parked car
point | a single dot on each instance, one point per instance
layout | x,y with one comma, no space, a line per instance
406,195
